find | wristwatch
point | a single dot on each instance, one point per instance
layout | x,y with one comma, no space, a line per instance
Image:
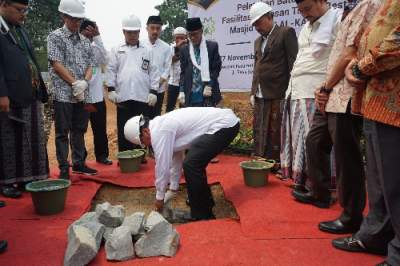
357,73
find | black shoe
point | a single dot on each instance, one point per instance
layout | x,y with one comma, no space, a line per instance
353,244
105,161
308,198
3,245
84,170
338,227
64,174
187,202
300,188
383,263
2,203
10,192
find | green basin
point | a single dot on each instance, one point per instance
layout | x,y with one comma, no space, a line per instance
130,161
256,173
49,196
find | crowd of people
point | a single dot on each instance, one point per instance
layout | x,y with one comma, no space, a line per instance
313,95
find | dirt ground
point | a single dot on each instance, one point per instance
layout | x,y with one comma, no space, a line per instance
142,200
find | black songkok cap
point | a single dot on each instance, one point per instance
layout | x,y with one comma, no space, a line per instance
154,20
193,24
24,2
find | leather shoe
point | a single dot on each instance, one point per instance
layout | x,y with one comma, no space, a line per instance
353,244
308,198
338,227
105,161
383,263
3,245
2,203
10,192
64,174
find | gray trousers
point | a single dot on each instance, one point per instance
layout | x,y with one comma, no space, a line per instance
381,227
71,122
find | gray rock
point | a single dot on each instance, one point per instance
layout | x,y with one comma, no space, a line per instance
174,215
82,246
161,239
110,216
153,219
119,246
135,222
108,232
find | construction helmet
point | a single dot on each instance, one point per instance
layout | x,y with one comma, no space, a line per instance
258,10
131,23
73,8
180,30
132,129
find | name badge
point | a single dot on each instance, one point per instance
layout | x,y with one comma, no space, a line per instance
145,64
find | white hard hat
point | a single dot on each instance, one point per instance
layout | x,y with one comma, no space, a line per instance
132,130
180,30
131,23
258,10
73,8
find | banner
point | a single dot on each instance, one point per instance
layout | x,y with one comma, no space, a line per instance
228,23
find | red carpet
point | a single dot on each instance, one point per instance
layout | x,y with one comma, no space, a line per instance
273,229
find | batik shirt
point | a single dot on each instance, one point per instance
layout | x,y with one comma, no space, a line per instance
74,52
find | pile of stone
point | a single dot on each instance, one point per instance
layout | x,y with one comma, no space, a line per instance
125,237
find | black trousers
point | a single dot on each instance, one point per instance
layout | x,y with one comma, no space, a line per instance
173,92
200,153
71,122
98,122
381,227
156,110
125,111
343,133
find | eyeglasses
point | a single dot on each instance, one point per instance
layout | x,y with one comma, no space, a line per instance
21,10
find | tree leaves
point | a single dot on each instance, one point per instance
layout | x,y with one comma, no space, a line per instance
173,13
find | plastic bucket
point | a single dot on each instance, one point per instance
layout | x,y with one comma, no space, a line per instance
255,173
130,161
48,196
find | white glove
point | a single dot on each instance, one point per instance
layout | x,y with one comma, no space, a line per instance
252,100
181,97
79,86
169,196
152,99
112,96
207,91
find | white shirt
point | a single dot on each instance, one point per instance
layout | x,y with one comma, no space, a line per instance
131,72
161,53
263,45
173,133
96,84
309,70
175,70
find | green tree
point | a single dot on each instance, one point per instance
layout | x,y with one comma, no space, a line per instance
173,14
41,20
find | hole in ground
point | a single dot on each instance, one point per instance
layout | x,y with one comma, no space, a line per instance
142,199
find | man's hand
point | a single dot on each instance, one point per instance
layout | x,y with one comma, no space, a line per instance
113,96
78,89
181,98
159,205
321,98
207,92
152,99
252,100
4,104
355,82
